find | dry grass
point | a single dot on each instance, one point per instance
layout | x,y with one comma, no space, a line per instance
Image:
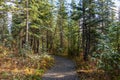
21,68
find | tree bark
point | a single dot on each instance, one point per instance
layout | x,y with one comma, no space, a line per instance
27,22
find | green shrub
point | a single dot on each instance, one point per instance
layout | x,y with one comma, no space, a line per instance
108,58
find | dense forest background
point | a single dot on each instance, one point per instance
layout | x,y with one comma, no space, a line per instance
87,29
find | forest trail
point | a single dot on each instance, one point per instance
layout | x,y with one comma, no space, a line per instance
64,69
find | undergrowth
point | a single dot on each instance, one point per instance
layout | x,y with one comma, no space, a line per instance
89,70
16,67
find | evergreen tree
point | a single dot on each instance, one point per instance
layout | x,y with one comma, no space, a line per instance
73,31
61,22
35,15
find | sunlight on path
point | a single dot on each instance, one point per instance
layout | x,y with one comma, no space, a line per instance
64,69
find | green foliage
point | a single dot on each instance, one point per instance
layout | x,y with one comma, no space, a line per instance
73,35
108,56
109,60
39,22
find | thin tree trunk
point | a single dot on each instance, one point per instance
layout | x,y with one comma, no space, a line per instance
47,40
27,23
84,34
61,37
78,45
51,42
117,38
42,44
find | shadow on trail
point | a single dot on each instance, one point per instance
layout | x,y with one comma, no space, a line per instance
64,69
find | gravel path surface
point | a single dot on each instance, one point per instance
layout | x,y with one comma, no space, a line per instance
64,69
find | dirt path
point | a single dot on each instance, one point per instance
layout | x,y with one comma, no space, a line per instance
64,69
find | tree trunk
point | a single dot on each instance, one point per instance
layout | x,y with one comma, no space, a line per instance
78,45
61,37
27,22
42,44
84,33
47,40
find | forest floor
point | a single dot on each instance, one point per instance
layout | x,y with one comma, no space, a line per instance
64,69
87,70
16,67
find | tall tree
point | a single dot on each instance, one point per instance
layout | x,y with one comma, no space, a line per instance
39,19
73,31
27,21
61,20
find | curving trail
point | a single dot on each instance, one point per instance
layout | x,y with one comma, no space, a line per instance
64,69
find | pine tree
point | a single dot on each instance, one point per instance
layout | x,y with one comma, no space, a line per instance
73,31
35,15
61,21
